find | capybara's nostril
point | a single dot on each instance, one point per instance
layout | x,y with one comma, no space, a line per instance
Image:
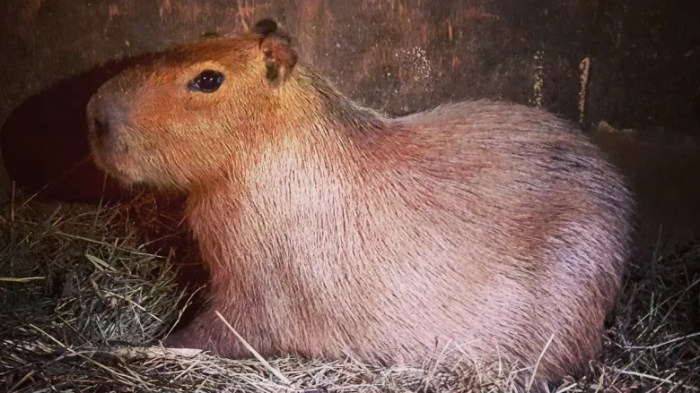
101,128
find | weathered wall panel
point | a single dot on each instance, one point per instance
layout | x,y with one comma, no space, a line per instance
398,56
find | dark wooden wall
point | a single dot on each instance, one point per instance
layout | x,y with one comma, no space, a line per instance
400,56
396,55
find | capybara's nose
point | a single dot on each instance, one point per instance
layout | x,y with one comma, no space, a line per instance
100,127
101,117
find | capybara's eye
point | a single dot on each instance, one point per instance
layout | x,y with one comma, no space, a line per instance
208,81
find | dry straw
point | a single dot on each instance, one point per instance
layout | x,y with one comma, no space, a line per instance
83,303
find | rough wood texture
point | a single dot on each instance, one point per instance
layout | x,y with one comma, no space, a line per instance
398,56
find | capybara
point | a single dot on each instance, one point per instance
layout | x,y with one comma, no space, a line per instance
476,230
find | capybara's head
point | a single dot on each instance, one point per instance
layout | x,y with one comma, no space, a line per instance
185,114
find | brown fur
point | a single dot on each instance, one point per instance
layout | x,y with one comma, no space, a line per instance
330,229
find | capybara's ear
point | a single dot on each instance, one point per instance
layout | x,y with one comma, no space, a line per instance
276,47
265,26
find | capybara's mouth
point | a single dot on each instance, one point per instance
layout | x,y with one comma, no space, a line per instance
113,161
110,166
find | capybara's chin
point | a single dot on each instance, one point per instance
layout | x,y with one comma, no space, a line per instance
117,163
478,230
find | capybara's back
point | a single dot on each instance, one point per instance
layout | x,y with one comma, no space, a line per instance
479,230
544,221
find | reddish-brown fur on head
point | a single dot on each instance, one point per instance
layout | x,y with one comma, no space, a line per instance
332,230
148,125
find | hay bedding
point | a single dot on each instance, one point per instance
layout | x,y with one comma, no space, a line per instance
83,302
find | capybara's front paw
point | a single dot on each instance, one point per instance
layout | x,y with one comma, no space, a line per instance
182,338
